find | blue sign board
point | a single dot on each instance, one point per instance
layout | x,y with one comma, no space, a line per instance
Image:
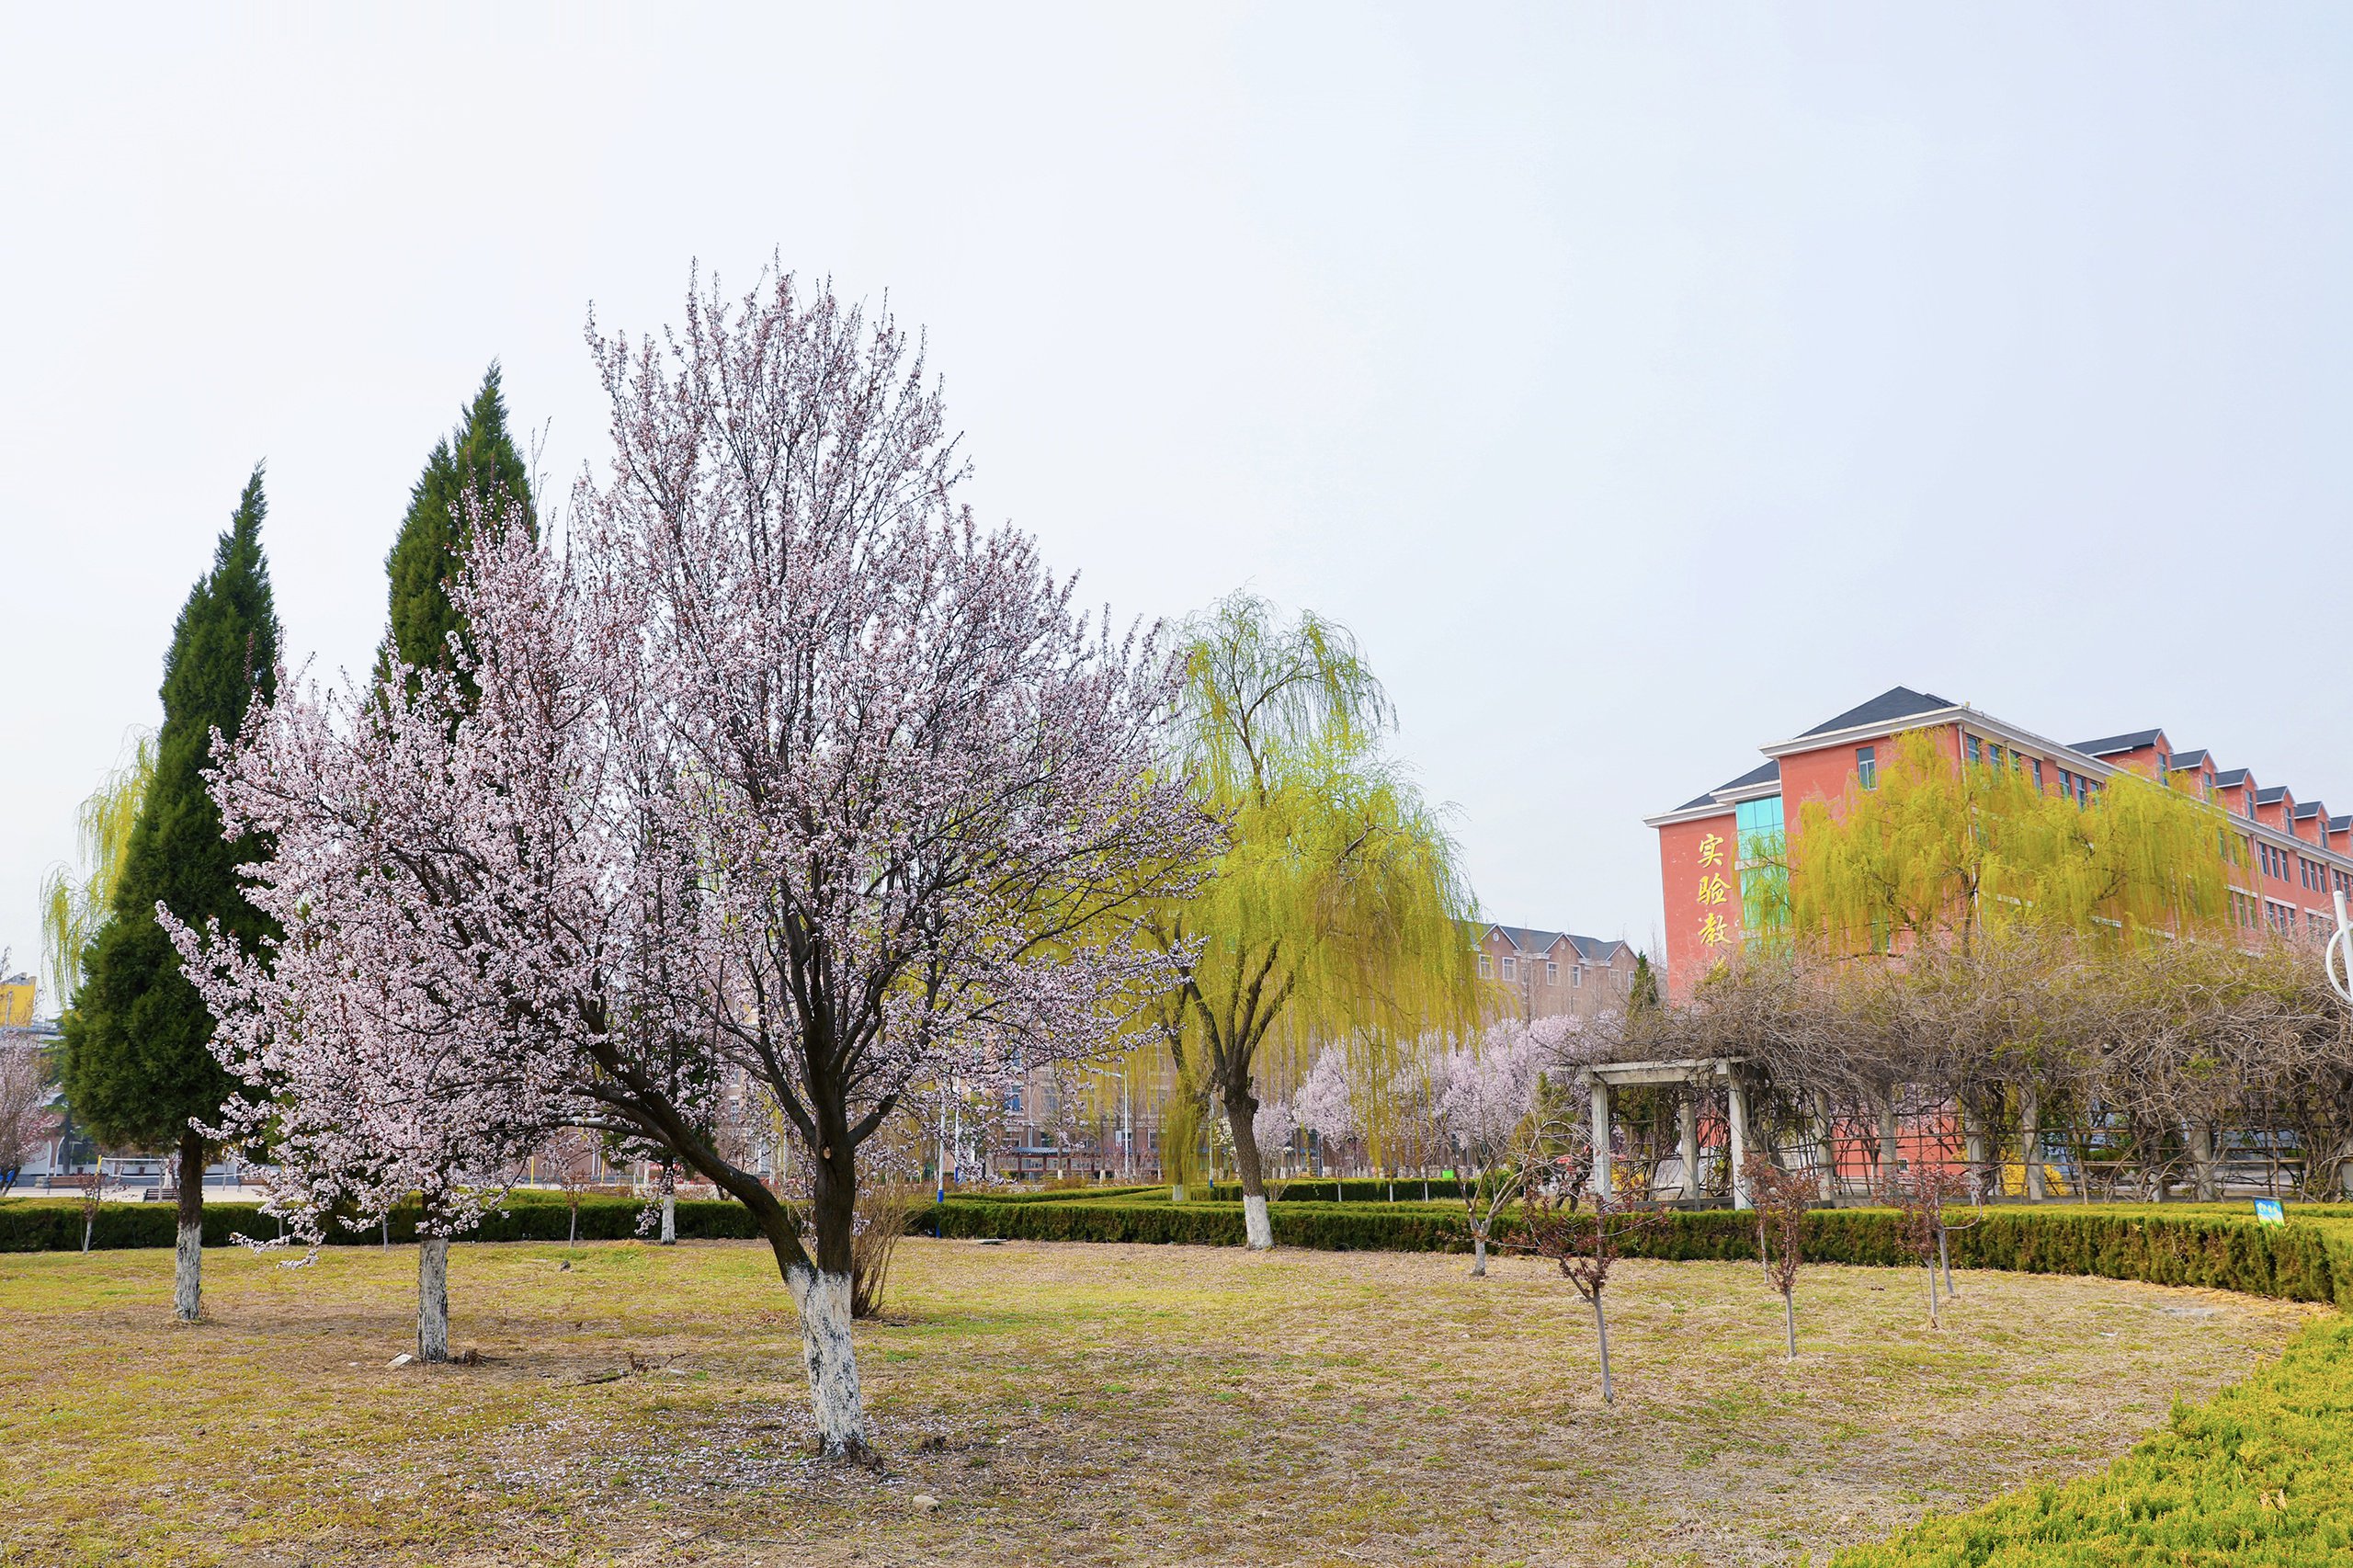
2267,1211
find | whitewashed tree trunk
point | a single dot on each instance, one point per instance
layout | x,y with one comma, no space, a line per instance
1789,1317
187,1272
1177,1193
433,1297
840,1408
2030,1142
1479,1253
669,1218
1257,1228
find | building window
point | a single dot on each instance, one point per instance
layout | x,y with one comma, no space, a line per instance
2164,764
1867,767
1763,869
2038,775
1993,754
1487,968
1975,753
2066,782
1551,972
2083,790
1511,969
2282,918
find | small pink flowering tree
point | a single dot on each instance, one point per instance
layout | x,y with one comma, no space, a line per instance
1323,1104
787,769
1487,1107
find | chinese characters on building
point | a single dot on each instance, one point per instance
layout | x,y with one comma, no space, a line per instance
1713,893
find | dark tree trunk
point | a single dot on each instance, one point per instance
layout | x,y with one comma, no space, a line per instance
187,1283
1240,1115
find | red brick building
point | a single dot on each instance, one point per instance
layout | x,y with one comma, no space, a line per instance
1716,881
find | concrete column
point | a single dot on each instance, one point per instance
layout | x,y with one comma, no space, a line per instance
1687,1115
1738,1101
1825,1147
1600,1137
1890,1153
2202,1154
2030,1141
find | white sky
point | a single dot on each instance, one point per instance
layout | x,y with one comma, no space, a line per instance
1641,384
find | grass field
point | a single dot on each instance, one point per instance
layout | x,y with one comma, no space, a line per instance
1062,1403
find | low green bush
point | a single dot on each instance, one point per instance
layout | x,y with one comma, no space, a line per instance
2262,1474
52,1226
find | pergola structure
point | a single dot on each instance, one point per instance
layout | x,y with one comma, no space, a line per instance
1692,1075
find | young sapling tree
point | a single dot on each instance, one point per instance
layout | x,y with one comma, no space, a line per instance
1781,1199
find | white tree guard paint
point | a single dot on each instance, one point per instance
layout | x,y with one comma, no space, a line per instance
1478,1254
1255,1226
840,1408
187,1273
669,1218
433,1298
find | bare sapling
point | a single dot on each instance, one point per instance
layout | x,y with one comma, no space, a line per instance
1916,1193
1972,1187
1585,1247
569,1160
1781,1199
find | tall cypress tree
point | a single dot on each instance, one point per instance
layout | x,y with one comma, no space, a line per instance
138,1065
481,457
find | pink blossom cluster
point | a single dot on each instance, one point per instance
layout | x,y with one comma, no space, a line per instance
784,770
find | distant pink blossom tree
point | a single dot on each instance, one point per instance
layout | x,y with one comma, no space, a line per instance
1321,1103
1487,1105
786,767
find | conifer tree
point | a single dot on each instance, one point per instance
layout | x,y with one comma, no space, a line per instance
138,1067
478,458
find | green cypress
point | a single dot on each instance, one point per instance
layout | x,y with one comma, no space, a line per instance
138,1067
480,456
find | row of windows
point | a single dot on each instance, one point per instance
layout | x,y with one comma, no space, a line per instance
2074,786
2249,911
1512,970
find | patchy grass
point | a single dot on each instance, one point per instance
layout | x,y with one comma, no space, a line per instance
1065,1403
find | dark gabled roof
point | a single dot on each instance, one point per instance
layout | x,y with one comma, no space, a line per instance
1895,702
1767,774
2234,776
2340,824
1527,939
2110,745
2266,797
1592,950
2310,809
2192,759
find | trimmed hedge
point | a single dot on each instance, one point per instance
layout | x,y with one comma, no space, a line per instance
41,1225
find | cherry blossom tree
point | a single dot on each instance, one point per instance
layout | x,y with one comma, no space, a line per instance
1323,1104
1486,1106
784,767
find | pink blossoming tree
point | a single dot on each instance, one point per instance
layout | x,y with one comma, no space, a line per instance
785,768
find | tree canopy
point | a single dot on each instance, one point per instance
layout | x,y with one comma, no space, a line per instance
1336,912
137,1062
1948,850
474,475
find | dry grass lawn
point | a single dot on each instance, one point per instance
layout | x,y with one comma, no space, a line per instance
1062,1403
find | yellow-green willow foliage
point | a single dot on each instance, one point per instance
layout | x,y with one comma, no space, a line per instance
71,910
1336,912
1943,851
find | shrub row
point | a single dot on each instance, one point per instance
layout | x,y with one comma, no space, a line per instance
43,1225
2293,1261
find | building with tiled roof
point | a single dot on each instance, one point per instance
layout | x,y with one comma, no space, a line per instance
1545,975
2298,853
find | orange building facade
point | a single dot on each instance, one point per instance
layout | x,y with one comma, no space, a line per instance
1717,883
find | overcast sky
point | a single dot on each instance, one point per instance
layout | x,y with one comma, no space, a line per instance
1641,384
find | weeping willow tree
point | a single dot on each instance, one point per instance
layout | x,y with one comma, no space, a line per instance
1336,912
71,907
1944,853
